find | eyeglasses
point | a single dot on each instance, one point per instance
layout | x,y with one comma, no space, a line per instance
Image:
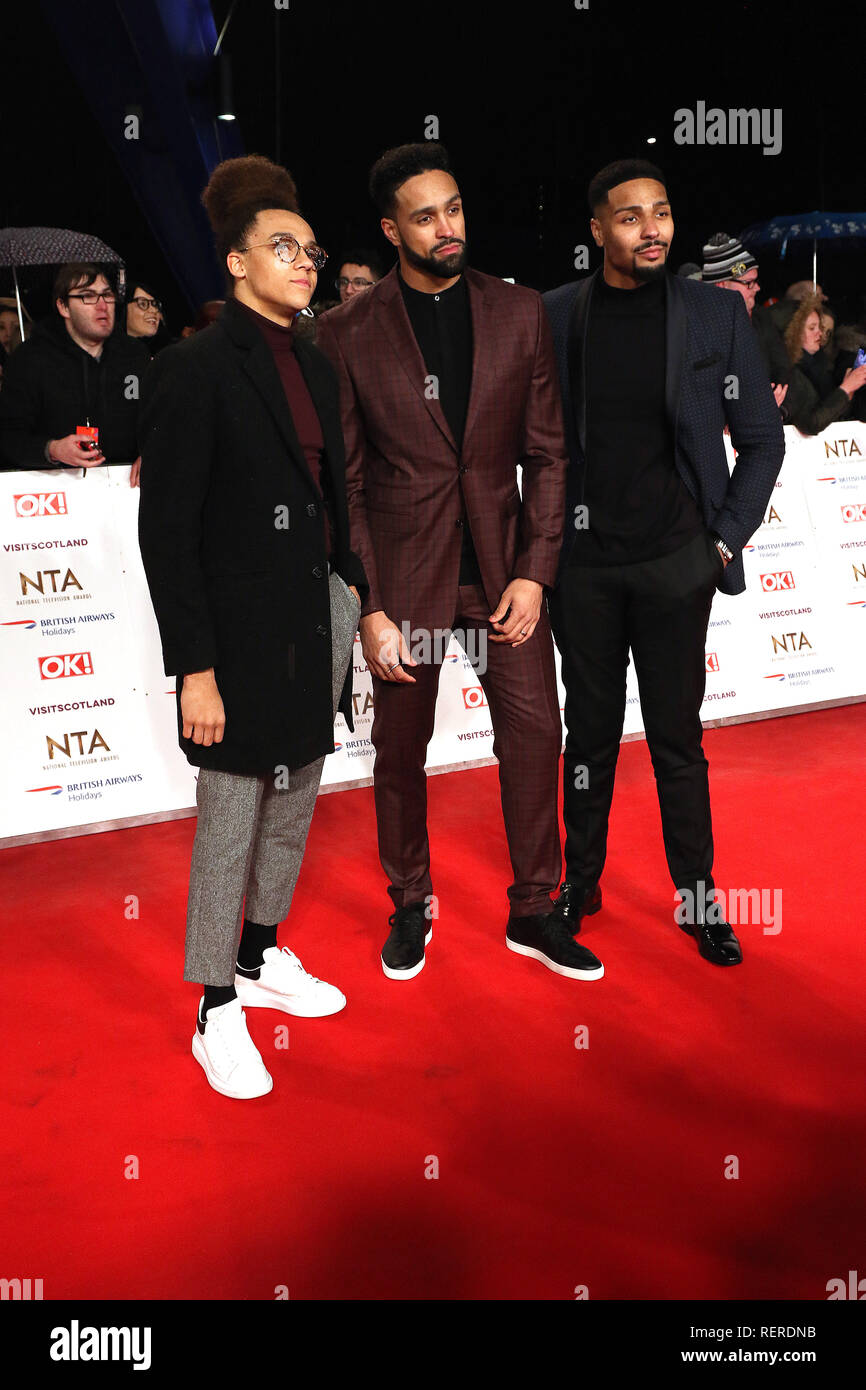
341,282
286,249
749,284
144,303
93,297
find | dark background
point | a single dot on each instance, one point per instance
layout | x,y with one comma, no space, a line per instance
531,101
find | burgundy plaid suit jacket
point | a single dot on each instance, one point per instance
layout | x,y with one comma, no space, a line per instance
407,482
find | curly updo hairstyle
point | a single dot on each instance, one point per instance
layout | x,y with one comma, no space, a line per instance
238,190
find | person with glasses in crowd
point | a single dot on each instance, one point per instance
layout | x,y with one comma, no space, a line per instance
244,535
146,322
66,399
360,271
729,266
144,315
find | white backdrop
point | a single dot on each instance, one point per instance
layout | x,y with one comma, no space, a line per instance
88,716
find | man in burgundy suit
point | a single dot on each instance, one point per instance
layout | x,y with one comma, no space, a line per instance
448,382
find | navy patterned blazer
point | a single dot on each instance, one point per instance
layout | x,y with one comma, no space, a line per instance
712,355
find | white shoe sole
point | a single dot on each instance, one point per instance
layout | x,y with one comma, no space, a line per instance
200,1055
413,970
255,996
567,970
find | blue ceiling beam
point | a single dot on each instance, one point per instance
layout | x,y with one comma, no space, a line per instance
146,70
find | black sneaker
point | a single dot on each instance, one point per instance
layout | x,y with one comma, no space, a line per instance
403,952
574,903
549,940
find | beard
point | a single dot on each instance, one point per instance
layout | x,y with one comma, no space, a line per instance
646,273
443,267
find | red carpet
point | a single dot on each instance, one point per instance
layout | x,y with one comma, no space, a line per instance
558,1167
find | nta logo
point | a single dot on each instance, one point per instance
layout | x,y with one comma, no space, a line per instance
791,642
68,581
40,503
64,746
842,448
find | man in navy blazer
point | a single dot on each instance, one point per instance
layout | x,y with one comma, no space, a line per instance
652,368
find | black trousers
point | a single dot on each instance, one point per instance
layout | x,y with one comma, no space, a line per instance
659,609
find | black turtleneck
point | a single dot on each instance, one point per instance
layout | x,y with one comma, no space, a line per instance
305,418
638,506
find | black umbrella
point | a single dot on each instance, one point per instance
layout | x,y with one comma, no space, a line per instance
50,246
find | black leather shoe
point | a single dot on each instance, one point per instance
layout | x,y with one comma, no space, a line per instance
574,903
403,952
549,939
716,942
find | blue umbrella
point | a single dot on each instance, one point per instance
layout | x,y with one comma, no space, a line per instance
844,229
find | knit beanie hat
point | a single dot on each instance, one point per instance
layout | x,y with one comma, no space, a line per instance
725,258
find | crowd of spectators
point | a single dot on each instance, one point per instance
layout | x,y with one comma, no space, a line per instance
817,371
69,392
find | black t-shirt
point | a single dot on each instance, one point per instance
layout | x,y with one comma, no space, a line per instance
638,506
442,324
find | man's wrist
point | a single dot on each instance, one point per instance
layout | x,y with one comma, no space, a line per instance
723,549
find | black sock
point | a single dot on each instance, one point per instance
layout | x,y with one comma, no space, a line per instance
255,940
214,995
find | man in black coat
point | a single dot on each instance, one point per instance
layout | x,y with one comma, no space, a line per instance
73,371
652,367
245,540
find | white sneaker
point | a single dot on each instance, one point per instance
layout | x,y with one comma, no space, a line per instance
232,1063
284,984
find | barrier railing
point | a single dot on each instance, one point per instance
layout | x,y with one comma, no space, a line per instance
88,717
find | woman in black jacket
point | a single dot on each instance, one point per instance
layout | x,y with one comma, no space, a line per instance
245,540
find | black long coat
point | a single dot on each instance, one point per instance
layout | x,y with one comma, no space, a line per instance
231,536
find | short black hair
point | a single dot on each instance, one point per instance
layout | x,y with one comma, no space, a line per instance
620,172
359,255
140,282
394,167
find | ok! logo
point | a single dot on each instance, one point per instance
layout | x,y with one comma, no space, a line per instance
52,668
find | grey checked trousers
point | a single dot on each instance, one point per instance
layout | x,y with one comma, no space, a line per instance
250,837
